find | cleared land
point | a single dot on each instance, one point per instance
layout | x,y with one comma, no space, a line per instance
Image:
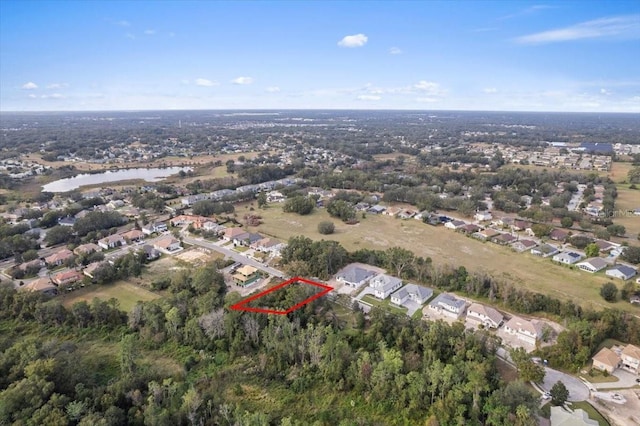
619,171
446,247
127,294
627,201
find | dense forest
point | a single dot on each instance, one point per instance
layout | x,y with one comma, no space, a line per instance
91,364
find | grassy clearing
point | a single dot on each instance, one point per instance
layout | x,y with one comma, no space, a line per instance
445,247
507,372
619,171
591,411
127,294
385,304
628,200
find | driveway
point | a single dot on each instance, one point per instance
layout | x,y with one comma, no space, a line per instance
578,391
625,380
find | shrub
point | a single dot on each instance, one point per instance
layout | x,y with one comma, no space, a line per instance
326,227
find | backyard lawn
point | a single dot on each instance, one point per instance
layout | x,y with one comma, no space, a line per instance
127,294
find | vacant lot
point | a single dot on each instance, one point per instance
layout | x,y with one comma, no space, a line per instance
127,294
619,171
628,200
445,247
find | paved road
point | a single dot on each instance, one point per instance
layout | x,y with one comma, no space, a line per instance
578,391
234,255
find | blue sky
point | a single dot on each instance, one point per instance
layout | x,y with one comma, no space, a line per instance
468,55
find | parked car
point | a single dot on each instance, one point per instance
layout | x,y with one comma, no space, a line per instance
546,395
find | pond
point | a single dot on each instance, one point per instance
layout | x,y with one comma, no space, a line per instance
149,175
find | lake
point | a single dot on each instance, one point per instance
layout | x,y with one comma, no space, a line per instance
149,175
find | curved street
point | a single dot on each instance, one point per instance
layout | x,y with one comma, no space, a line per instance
578,391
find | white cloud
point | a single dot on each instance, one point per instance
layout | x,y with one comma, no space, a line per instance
528,11
242,80
356,40
130,36
619,27
30,86
123,23
203,82
369,98
429,88
53,96
427,100
58,86
272,89
605,92
490,90
395,51
150,32
32,96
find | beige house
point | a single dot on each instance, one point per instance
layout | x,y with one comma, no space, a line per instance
245,275
606,360
527,331
631,359
485,315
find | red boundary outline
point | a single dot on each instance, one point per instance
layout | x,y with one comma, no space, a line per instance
241,306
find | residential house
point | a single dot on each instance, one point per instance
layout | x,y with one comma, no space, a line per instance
150,252
413,292
567,257
523,245
454,224
248,239
622,272
210,226
406,214
167,244
377,209
449,305
504,239
91,268
268,245
384,285
66,277
112,241
606,360
354,276
486,234
153,228
133,235
606,246
275,197
520,225
558,234
34,265
485,315
234,234
631,359
527,331
593,265
545,250
482,216
246,275
88,248
67,221
43,285
563,417
59,257
469,229
504,222
392,211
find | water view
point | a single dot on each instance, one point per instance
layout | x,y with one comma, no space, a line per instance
148,175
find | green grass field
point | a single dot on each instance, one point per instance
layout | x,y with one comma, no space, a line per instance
445,247
127,294
591,411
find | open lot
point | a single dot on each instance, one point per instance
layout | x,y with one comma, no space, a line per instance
127,294
628,200
445,247
619,170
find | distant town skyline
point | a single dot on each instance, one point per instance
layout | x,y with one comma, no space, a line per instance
569,56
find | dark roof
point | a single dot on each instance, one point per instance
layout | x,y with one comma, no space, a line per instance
597,147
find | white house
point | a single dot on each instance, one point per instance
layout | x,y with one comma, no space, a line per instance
484,315
454,224
482,216
593,265
527,331
631,358
154,227
112,241
413,292
622,272
567,257
384,285
448,305
167,244
354,276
